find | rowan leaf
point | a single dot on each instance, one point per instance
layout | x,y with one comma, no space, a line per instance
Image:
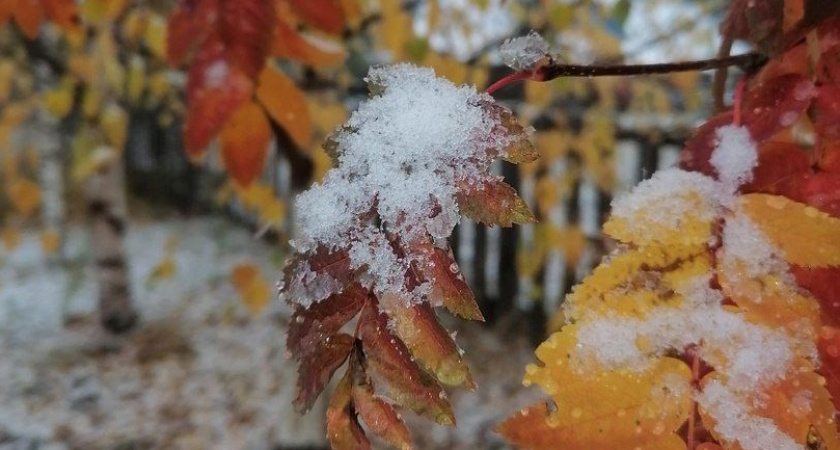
313,331
449,288
306,48
343,429
601,408
189,26
244,143
380,417
24,195
493,202
252,288
246,27
765,20
390,364
808,237
315,276
780,165
429,343
822,284
318,369
519,149
325,15
286,104
829,350
214,90
776,103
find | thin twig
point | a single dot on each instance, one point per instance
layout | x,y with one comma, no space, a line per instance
747,61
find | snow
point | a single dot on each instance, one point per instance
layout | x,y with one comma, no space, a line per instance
524,52
401,155
663,199
745,247
734,156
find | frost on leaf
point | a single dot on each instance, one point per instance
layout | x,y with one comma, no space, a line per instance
524,52
371,244
699,271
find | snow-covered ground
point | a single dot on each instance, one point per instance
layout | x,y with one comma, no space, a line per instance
200,372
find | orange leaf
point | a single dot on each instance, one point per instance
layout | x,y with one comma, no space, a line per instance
254,290
417,326
28,14
244,140
306,48
449,286
285,104
808,236
493,203
343,429
63,12
214,90
50,241
24,195
246,26
380,417
829,347
326,15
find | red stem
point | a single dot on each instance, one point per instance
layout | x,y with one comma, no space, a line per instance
736,103
508,79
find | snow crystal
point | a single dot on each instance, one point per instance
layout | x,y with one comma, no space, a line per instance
735,422
745,247
662,198
524,52
734,156
401,157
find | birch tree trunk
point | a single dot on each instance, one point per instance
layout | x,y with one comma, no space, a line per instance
106,206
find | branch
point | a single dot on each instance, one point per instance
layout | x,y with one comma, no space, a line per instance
747,62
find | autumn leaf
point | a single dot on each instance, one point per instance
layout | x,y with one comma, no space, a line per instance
493,203
25,195
429,343
244,143
325,15
808,237
215,89
11,237
380,417
50,241
774,104
449,288
313,331
306,48
598,408
390,360
286,104
829,350
28,14
343,429
253,289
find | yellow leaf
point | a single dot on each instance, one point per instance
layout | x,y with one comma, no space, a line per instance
59,100
604,409
24,195
91,103
7,71
50,241
11,237
156,36
253,289
136,79
164,270
114,123
286,104
808,236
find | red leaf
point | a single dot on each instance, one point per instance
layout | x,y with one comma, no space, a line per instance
321,362
493,203
390,363
316,52
244,140
326,15
189,26
820,190
28,14
246,27
62,12
827,112
823,284
343,429
449,287
698,150
774,104
380,417
214,90
765,21
779,165
313,341
828,67
430,344
307,275
829,348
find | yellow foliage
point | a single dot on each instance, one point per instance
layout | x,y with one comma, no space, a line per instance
25,195
11,237
156,36
59,100
808,236
164,270
135,79
627,409
253,289
114,123
50,241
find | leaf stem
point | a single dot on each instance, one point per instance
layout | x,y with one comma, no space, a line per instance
746,61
